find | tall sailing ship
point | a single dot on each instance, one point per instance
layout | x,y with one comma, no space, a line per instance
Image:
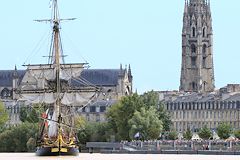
51,85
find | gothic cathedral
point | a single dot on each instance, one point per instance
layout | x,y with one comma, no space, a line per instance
197,71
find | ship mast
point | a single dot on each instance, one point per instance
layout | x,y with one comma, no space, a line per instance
56,60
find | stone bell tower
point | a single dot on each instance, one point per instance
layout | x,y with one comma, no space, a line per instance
197,72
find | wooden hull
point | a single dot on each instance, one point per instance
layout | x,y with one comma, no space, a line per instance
48,151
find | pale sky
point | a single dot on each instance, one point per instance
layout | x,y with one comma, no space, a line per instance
143,33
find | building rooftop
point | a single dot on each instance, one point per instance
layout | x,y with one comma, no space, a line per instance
99,77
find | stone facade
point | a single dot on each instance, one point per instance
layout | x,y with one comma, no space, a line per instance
195,110
197,72
114,84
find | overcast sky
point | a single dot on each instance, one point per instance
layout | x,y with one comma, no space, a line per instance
143,33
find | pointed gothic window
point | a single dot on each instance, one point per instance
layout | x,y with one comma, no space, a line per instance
204,53
204,62
193,56
193,31
204,85
204,32
193,49
204,49
193,86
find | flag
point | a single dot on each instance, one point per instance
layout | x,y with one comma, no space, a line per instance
137,135
45,116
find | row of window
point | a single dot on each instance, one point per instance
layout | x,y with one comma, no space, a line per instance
194,32
193,86
96,118
194,49
13,109
206,115
203,105
180,126
94,109
194,56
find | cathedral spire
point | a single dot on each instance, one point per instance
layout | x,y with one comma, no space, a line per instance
197,72
130,73
15,74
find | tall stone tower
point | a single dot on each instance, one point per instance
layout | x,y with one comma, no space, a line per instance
197,72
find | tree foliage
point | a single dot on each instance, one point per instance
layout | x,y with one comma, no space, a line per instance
205,133
80,122
3,115
237,133
94,132
152,99
31,114
120,114
164,116
15,139
145,122
224,130
173,135
188,134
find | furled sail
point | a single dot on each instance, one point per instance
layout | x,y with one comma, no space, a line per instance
77,99
35,98
38,76
69,99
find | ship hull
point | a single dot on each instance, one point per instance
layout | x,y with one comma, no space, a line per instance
47,151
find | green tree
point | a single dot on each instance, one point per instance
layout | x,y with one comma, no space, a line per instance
188,134
164,116
15,139
30,114
119,115
205,133
237,133
31,144
151,99
3,115
224,130
145,122
173,135
94,132
80,122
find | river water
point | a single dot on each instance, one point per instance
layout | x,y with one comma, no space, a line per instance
87,156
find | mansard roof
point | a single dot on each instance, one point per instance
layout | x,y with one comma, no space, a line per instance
99,77
196,97
235,97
